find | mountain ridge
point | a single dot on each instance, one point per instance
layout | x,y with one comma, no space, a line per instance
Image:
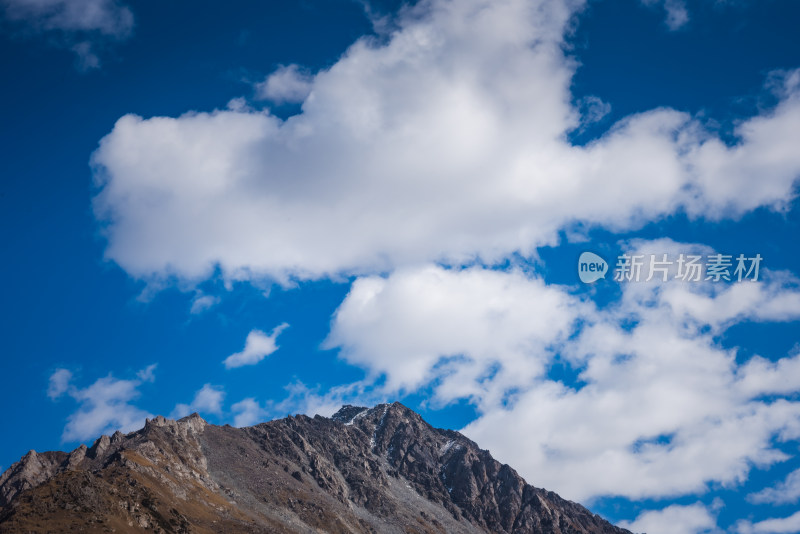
379,469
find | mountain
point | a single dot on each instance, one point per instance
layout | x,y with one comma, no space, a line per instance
378,470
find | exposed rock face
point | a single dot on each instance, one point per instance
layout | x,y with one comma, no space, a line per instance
378,470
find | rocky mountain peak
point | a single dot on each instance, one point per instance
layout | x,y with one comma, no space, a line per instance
348,412
379,469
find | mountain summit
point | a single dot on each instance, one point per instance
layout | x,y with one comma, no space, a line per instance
366,470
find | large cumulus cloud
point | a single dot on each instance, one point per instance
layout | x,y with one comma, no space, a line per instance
445,142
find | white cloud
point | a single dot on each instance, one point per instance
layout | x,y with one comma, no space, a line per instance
248,412
257,347
108,17
104,406
83,27
761,376
203,302
787,491
86,57
59,383
312,401
716,305
664,410
658,407
445,143
148,373
783,525
593,109
674,519
287,84
478,333
303,399
677,13
208,399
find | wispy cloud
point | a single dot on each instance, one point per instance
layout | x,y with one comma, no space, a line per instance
108,17
676,11
202,303
103,407
60,382
310,400
82,26
787,491
148,373
257,347
314,401
207,399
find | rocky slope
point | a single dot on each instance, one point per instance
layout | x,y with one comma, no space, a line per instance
378,470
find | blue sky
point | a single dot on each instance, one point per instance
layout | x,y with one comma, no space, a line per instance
256,209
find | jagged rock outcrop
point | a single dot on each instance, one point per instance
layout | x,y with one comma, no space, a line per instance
378,470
